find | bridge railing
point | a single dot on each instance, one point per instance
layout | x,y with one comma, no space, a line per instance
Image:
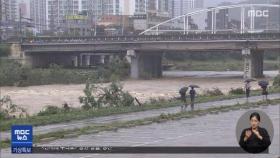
189,37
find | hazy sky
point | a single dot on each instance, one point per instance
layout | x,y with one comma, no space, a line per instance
210,3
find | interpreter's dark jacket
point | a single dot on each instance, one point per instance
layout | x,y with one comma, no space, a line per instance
253,143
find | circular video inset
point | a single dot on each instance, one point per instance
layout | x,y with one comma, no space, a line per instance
254,131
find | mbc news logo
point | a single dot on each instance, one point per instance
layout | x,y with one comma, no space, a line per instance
22,134
258,13
22,139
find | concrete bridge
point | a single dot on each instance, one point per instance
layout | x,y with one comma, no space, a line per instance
145,51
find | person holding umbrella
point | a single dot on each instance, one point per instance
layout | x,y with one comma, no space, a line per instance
192,95
248,88
183,92
264,85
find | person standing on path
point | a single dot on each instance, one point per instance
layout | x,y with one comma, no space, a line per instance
192,96
183,92
247,90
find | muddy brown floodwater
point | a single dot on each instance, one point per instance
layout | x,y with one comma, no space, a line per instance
34,98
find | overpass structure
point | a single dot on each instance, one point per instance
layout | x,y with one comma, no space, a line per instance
145,52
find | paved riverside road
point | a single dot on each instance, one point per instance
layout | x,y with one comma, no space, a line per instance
134,115
208,130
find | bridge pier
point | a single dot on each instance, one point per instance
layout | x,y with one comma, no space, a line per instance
44,60
102,59
75,61
89,59
253,63
145,65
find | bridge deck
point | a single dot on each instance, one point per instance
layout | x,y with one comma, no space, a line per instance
190,37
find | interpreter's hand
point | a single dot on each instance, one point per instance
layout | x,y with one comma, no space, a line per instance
248,134
257,133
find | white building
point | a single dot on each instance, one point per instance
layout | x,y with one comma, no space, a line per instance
124,7
102,7
38,15
24,5
10,10
181,7
154,11
57,10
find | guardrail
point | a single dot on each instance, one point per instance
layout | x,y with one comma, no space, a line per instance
190,37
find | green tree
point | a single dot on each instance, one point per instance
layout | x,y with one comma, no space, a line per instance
4,50
89,100
114,95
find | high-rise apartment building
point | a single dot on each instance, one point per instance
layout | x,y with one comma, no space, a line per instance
10,10
181,7
57,10
38,15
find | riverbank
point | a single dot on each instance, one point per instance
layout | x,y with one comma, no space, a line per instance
144,120
35,98
217,65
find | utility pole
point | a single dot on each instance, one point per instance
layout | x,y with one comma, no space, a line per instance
1,23
122,23
20,25
96,18
1,12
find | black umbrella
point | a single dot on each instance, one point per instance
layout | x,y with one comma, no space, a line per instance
250,80
263,83
194,86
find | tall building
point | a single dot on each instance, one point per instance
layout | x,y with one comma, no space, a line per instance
181,7
102,7
161,7
9,19
51,14
57,10
127,7
38,15
84,5
124,7
23,8
140,7
151,13
10,10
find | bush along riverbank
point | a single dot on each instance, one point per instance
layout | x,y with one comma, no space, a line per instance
103,101
113,126
13,73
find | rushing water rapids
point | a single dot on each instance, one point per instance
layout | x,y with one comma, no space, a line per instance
34,98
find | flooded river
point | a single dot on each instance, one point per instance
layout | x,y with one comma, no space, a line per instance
34,98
